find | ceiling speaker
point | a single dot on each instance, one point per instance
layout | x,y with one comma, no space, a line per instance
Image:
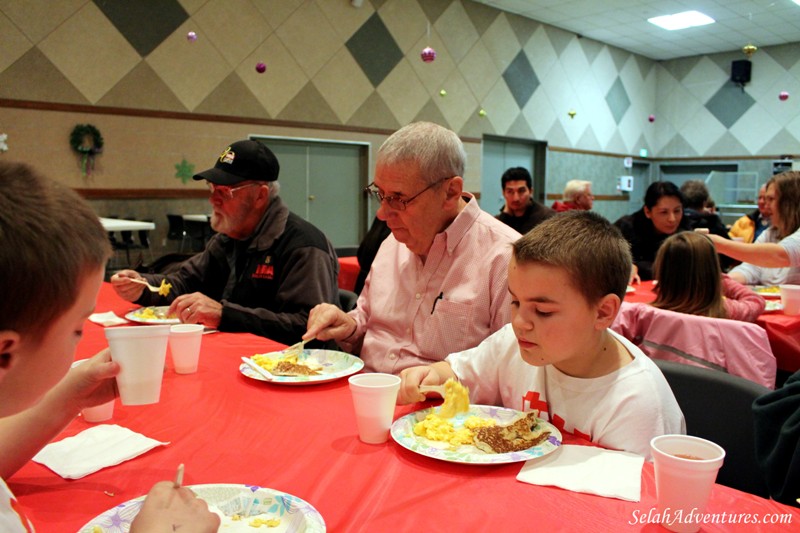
740,71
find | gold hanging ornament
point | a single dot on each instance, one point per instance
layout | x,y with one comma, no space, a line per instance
749,50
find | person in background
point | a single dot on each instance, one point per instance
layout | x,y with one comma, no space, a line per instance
577,195
367,250
521,211
558,354
777,428
647,228
691,281
774,258
711,206
265,268
49,287
749,227
439,281
695,199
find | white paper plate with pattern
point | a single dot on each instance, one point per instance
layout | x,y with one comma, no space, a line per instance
295,514
403,433
335,365
152,315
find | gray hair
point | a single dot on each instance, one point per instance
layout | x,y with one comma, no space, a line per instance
437,151
574,188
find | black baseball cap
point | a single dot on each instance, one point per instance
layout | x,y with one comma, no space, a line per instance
242,161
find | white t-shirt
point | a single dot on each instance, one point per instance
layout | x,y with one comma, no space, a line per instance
756,275
12,519
623,410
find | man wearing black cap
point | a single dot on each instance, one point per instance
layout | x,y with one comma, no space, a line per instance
264,269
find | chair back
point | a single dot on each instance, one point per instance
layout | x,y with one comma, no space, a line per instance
347,300
732,346
718,407
176,231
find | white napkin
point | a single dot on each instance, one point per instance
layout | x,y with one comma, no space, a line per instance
107,319
94,449
588,469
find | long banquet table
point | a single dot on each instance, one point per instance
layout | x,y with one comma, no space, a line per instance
302,440
783,330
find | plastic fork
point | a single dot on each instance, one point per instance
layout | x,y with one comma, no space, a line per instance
145,283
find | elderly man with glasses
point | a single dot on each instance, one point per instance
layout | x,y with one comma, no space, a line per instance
264,269
439,282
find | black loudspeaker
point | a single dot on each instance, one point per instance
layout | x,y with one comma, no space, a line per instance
740,71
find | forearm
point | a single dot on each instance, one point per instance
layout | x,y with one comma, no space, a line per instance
763,254
22,435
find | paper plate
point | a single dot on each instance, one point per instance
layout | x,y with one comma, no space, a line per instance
294,513
160,311
335,365
403,433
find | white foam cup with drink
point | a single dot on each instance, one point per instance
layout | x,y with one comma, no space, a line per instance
790,299
184,346
140,352
374,399
686,468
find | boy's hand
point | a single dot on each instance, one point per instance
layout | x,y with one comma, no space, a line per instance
168,509
125,288
328,322
412,378
91,383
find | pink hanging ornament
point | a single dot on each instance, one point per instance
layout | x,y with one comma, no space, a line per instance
783,96
261,68
428,54
651,118
191,36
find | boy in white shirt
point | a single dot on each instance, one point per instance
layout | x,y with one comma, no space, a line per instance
52,254
567,278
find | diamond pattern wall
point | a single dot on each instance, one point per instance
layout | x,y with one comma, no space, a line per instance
330,63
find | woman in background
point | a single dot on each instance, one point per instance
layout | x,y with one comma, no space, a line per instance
690,281
775,256
646,229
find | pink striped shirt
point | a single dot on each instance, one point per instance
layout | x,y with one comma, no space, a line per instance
410,313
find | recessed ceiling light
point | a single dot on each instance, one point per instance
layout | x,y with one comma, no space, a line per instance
679,21
797,2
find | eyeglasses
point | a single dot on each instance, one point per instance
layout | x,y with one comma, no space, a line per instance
395,202
227,192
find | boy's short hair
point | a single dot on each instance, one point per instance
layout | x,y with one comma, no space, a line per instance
594,253
49,241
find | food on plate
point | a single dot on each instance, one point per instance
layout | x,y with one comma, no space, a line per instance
435,427
153,313
163,290
518,435
238,522
760,289
456,399
287,365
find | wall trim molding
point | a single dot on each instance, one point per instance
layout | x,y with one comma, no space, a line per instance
141,194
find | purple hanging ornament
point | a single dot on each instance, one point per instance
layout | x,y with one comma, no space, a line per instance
191,36
428,54
783,96
651,118
261,68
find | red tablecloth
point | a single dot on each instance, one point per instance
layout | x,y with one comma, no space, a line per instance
302,440
783,331
348,272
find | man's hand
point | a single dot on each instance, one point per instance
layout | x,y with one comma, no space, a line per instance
168,509
126,289
328,322
196,308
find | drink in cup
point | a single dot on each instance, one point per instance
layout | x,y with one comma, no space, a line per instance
686,468
790,299
140,352
184,345
374,398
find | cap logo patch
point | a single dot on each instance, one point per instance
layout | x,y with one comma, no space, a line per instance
227,156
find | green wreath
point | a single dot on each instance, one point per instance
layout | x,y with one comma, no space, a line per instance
86,140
